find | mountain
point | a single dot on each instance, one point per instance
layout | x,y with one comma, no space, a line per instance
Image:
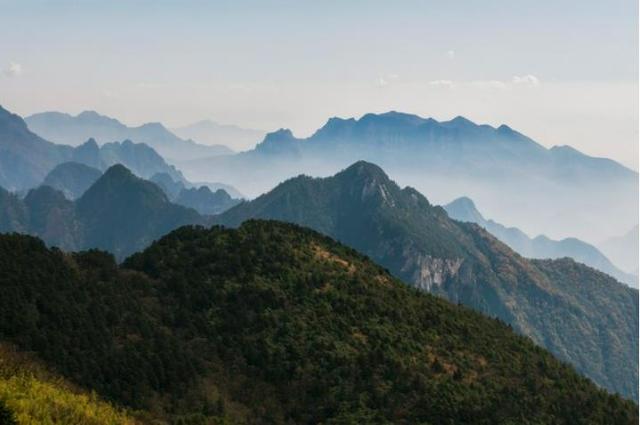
500,168
581,315
120,213
272,323
173,187
26,158
464,209
74,130
14,216
72,178
212,133
170,187
205,201
53,218
623,250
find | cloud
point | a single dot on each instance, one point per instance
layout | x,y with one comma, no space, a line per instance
488,84
13,70
442,83
528,79
385,80
451,54
516,81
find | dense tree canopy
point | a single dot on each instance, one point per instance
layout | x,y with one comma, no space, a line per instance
273,323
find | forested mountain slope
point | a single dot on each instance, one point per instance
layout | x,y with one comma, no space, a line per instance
272,323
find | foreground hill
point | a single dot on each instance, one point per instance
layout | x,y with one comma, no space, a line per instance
500,168
30,394
464,209
581,315
272,323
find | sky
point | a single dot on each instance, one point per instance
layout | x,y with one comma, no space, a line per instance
561,72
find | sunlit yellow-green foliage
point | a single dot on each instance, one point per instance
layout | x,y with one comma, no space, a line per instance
38,400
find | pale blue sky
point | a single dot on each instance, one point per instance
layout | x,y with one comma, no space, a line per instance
564,72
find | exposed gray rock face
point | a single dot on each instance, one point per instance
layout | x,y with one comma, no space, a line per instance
428,272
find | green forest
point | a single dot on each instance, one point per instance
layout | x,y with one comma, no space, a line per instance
272,323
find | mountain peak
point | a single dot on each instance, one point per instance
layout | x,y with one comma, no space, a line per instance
279,141
464,209
364,168
460,121
118,170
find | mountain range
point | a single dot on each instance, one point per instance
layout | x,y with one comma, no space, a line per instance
71,130
26,158
212,133
272,324
581,315
464,209
500,168
119,212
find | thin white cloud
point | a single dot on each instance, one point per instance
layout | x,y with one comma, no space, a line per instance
385,80
516,81
528,79
13,70
442,83
451,54
488,84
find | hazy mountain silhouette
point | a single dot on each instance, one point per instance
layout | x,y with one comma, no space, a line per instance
73,130
26,158
464,209
623,250
583,316
498,167
119,212
212,133
72,178
205,201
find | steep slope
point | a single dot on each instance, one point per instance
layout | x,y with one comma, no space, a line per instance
464,209
53,218
122,213
272,323
74,130
72,178
503,170
25,158
170,187
205,201
420,244
14,216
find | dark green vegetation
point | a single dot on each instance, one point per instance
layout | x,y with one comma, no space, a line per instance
463,209
120,213
581,315
275,324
